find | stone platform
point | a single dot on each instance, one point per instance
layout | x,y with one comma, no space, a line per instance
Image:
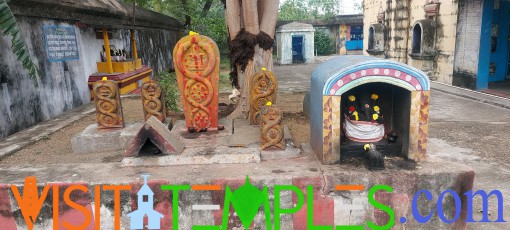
94,140
238,143
332,207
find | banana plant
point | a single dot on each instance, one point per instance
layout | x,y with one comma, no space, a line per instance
9,26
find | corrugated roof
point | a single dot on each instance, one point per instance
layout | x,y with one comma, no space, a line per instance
336,20
100,13
296,26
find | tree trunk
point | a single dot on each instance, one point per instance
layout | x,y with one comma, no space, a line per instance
187,17
206,8
255,16
233,17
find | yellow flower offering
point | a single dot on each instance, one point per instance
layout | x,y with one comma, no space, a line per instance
355,114
263,69
193,33
105,78
375,96
269,103
376,108
352,98
375,117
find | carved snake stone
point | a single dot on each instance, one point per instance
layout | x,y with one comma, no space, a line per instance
107,106
271,129
152,105
204,90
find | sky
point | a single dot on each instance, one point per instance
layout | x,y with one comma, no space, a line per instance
348,7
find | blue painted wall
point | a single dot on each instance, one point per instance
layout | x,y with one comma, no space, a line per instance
482,80
499,56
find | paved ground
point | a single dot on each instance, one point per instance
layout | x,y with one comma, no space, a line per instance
475,134
499,88
296,78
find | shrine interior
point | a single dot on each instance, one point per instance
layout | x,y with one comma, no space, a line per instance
395,104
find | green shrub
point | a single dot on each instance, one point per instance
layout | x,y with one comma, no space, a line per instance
323,43
168,82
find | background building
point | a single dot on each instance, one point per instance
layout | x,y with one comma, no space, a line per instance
345,31
295,43
463,43
63,83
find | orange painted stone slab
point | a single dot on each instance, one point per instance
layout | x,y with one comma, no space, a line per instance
197,65
264,88
153,102
108,105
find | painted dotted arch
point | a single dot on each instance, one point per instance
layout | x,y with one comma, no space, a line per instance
384,71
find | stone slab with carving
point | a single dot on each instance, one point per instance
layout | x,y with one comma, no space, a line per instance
264,89
197,65
271,129
153,102
108,104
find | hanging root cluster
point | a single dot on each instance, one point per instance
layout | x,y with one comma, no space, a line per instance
242,50
265,41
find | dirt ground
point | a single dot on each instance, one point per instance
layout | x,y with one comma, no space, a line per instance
56,148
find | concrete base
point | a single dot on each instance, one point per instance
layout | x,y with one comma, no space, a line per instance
199,156
238,143
331,207
94,140
248,136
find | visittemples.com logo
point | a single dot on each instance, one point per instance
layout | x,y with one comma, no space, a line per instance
246,201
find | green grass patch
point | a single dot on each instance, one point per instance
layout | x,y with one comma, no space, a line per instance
225,64
225,84
168,82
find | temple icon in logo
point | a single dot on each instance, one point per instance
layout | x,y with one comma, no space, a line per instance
145,208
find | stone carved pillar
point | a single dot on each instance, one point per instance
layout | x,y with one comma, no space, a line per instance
153,102
197,65
108,104
271,128
264,89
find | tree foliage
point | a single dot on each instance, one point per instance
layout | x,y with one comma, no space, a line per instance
206,17
309,9
9,26
323,43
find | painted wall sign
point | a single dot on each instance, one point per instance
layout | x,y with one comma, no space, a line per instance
61,43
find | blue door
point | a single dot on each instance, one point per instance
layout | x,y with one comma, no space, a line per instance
508,58
297,49
500,35
356,39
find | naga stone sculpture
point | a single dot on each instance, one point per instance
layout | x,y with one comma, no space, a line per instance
197,65
153,102
264,89
108,104
271,129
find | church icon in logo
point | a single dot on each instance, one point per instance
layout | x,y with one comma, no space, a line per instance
145,208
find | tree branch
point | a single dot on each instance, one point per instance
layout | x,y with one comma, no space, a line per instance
270,16
250,16
233,17
207,7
